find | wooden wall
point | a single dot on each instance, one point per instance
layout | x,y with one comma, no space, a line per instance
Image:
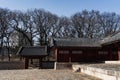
85,54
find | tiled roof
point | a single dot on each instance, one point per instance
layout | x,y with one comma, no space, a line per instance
79,42
86,42
33,51
111,39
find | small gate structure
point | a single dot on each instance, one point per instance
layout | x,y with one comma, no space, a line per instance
33,53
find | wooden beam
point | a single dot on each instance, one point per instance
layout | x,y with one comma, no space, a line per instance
26,63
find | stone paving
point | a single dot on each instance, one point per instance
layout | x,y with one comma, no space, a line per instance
114,67
43,74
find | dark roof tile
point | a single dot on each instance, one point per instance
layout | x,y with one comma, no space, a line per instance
33,51
111,39
79,42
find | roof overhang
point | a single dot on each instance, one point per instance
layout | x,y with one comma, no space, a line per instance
35,51
110,42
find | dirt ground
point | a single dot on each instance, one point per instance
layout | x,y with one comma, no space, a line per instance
43,74
13,71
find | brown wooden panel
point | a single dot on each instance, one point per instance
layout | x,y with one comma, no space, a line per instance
86,54
115,55
63,58
77,57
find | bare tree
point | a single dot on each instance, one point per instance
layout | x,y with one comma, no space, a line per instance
110,23
23,23
6,29
43,21
78,24
86,24
65,27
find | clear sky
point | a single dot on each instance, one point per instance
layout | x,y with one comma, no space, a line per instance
63,7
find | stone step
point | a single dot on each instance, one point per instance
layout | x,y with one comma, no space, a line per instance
98,72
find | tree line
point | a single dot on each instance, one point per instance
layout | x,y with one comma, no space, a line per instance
36,26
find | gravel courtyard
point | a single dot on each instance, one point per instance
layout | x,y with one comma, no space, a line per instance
43,74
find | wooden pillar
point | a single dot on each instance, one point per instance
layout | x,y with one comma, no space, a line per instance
26,63
40,63
56,53
118,53
70,56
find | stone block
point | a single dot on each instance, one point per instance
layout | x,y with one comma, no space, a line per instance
59,65
99,72
112,62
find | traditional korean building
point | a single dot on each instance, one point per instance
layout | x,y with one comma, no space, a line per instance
77,50
86,50
33,53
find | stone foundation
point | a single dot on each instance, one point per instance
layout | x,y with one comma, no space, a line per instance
6,65
98,72
59,65
112,62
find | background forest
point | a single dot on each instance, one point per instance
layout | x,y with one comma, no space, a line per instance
34,27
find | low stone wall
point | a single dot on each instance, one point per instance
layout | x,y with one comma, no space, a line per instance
98,72
112,62
48,65
44,65
101,73
59,65
6,65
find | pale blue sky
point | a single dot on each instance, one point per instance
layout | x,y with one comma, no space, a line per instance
63,7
